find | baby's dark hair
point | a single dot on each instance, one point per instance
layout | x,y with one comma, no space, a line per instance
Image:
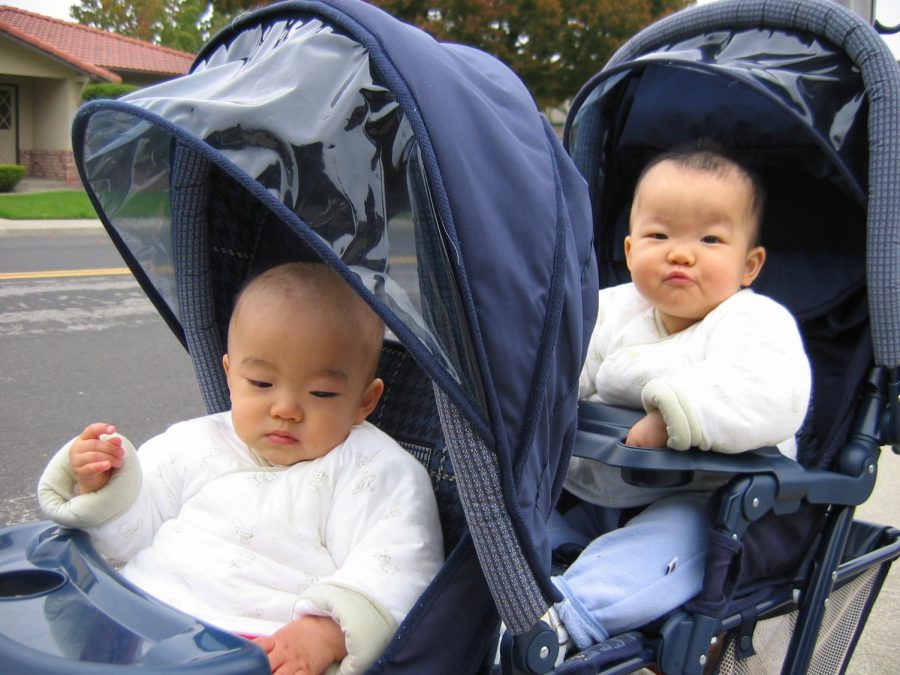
316,285
710,157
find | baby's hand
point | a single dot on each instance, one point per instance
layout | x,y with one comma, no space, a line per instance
308,645
648,432
93,459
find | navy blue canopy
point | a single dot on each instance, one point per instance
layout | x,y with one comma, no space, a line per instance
802,92
423,173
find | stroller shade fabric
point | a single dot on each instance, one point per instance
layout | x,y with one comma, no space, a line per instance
790,105
327,143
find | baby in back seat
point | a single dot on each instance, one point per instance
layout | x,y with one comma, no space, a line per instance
714,365
288,517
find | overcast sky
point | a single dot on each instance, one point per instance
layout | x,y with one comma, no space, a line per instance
887,11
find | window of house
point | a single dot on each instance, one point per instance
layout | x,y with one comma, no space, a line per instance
6,109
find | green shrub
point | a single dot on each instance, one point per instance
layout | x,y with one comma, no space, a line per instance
10,175
106,90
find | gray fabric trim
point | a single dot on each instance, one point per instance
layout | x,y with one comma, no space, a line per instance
881,77
509,577
190,242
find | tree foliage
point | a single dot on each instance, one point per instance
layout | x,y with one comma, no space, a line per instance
119,17
553,45
179,24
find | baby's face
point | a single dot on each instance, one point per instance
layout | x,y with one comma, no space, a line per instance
690,246
298,383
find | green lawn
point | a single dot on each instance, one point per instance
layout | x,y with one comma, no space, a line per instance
46,205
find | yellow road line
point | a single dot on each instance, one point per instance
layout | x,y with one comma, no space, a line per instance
56,274
115,271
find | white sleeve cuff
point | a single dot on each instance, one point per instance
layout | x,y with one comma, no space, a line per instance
367,625
682,426
60,503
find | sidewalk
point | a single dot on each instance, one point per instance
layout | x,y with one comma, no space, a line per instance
38,228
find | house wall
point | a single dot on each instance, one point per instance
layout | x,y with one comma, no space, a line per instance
49,93
50,154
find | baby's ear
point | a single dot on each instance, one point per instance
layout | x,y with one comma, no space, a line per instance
369,399
756,257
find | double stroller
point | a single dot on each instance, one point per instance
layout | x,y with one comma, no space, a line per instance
425,176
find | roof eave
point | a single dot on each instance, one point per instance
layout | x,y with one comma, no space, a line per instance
144,71
51,52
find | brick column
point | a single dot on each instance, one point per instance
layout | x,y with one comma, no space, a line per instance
54,164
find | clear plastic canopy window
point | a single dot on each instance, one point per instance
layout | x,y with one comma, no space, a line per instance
296,106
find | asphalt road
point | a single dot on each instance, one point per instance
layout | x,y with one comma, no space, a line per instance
76,349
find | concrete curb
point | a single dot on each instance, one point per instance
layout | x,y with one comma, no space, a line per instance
40,228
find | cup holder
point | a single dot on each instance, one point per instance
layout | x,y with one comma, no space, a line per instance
19,584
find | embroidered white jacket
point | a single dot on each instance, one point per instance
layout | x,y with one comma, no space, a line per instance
736,381
353,534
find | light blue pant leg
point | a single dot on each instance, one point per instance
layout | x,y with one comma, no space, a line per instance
628,577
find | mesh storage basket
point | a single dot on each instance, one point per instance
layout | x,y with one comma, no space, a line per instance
857,583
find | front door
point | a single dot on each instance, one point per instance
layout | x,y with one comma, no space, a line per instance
8,124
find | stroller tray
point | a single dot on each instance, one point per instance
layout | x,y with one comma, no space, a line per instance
77,615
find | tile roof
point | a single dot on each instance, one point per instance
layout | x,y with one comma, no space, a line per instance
95,52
